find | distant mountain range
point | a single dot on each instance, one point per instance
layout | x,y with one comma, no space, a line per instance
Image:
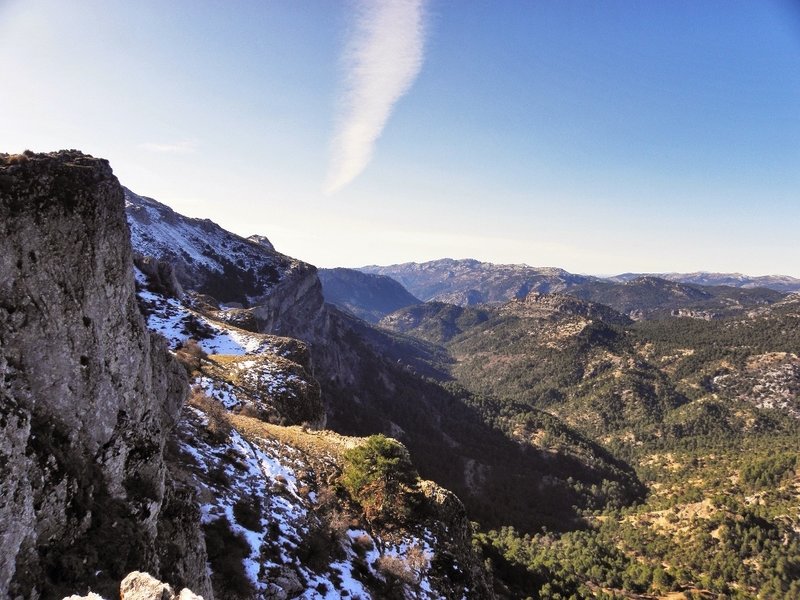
470,282
467,282
780,283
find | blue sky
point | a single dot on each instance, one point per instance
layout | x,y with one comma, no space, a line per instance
600,137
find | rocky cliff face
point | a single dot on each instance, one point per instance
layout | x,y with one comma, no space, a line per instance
87,394
558,306
259,289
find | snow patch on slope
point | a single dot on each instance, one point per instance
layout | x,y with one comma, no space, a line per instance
281,480
174,321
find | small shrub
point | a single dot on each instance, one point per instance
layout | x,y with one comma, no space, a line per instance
247,512
417,560
363,544
320,545
395,569
196,328
218,427
191,356
16,159
254,412
339,522
217,476
233,458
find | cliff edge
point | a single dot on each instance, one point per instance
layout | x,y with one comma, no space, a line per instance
87,393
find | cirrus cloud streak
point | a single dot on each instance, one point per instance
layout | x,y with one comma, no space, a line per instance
383,57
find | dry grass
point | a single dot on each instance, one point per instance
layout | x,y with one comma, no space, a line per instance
191,356
15,159
312,442
396,568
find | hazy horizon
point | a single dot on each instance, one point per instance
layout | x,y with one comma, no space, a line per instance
613,138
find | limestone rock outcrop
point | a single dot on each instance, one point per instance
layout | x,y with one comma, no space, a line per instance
143,586
453,530
87,394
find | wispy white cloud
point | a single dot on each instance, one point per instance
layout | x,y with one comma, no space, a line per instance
182,147
382,58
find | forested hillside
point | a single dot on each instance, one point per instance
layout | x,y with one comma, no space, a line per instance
706,411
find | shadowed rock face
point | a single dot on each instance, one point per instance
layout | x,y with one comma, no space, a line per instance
369,297
87,394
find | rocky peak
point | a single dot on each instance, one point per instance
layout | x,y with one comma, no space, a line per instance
540,305
467,282
262,240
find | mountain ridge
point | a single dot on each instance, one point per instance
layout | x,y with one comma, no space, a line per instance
375,381
470,282
777,282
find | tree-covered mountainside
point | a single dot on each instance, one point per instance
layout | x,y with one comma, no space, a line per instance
707,411
654,297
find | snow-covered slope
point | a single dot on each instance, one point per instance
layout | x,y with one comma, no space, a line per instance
276,524
268,500
245,370
283,295
205,256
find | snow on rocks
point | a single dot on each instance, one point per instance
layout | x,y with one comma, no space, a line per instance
251,490
267,375
279,389
267,501
178,323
